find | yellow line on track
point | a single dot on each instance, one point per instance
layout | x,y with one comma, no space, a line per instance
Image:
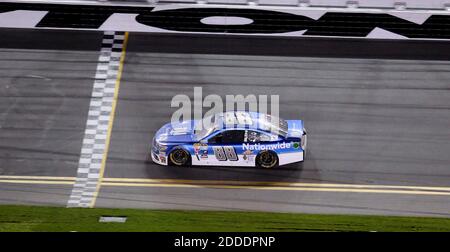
268,183
279,188
111,121
253,185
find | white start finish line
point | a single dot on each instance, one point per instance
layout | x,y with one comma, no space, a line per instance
99,123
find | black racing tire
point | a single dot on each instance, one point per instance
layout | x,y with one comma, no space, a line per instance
179,157
267,159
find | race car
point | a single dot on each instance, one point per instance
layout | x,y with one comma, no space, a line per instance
236,138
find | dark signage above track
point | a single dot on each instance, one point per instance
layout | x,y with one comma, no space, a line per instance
263,21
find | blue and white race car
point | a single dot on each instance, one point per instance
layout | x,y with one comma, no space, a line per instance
234,138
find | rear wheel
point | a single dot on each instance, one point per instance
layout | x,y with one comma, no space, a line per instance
179,157
267,159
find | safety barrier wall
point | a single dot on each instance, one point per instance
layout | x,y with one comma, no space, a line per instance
233,20
396,4
383,4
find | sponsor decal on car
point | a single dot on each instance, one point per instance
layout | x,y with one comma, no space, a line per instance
201,150
248,155
258,146
199,146
204,154
162,156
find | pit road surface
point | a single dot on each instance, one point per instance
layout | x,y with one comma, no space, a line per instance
377,114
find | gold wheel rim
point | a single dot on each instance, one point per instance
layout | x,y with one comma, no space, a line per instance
178,162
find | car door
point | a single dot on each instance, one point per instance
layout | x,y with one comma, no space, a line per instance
226,148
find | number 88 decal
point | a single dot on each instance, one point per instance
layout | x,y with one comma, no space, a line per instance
225,153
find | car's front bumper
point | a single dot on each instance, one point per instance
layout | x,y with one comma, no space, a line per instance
157,155
158,158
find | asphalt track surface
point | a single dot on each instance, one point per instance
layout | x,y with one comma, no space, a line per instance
377,113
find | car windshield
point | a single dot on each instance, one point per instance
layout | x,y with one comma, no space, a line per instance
203,130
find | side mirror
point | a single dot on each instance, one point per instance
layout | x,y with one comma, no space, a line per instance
203,141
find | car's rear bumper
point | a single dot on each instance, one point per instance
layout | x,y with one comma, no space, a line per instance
291,157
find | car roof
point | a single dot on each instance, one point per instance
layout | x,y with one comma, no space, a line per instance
242,120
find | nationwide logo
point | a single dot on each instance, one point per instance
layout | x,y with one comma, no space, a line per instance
258,146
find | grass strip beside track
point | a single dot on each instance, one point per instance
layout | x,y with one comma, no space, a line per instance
37,218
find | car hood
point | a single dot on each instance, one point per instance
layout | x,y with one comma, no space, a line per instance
176,132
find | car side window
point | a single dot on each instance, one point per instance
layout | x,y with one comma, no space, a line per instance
216,139
228,137
255,136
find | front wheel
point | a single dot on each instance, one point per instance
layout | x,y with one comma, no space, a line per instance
267,159
179,157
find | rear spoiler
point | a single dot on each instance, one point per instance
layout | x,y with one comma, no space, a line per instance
295,129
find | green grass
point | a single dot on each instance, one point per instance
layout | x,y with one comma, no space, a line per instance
34,218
